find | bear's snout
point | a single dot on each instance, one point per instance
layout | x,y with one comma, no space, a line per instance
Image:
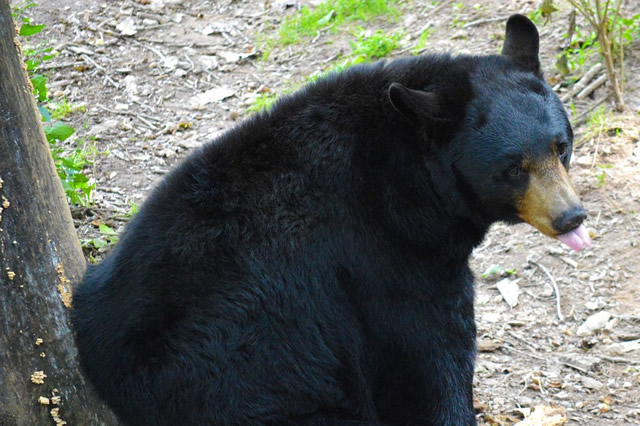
569,220
550,203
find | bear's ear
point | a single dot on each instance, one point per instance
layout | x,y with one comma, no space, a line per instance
415,105
521,42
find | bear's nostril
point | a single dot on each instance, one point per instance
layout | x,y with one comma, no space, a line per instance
569,220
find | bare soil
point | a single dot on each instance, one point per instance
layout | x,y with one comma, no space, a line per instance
145,107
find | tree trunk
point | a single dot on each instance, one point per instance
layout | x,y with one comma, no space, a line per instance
39,257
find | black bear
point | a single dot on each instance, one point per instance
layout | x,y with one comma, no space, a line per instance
310,267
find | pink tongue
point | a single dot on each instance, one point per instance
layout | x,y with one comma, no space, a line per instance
577,239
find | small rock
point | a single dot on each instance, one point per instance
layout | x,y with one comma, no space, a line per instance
106,127
594,323
624,347
587,363
486,345
590,383
170,62
510,290
127,27
591,305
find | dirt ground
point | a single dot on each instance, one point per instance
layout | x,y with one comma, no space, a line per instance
160,77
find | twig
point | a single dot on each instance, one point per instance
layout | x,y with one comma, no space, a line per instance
582,83
555,287
134,114
531,345
56,66
485,21
575,367
436,9
99,67
619,360
511,348
591,87
580,118
154,50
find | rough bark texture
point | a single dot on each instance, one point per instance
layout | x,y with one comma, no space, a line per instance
39,259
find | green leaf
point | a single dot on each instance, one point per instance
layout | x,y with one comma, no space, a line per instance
27,30
98,243
325,19
106,230
44,113
58,132
39,83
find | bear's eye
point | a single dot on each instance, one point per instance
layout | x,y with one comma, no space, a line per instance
563,151
514,170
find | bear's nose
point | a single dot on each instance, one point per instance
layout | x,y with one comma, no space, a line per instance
569,220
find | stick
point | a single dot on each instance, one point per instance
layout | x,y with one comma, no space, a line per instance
619,360
580,118
593,86
582,83
555,288
485,21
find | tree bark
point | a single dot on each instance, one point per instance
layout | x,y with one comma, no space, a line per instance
39,259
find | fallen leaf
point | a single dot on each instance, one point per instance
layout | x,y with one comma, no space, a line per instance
213,95
127,27
545,416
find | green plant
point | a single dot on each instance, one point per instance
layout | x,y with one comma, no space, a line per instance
108,236
422,41
597,123
365,48
329,14
611,31
69,165
601,175
61,109
263,101
376,45
581,48
497,271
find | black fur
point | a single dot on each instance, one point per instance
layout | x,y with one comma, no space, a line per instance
310,267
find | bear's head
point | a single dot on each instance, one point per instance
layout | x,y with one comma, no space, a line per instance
509,154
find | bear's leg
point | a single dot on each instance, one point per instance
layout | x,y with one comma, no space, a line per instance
329,418
449,374
428,380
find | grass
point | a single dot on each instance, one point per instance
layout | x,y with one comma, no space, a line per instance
422,41
264,101
330,14
365,48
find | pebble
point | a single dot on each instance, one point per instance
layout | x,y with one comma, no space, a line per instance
594,323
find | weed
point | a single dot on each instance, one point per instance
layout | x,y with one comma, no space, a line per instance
601,175
329,14
497,271
366,48
376,45
264,101
108,236
581,48
422,41
597,123
58,110
612,31
69,165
